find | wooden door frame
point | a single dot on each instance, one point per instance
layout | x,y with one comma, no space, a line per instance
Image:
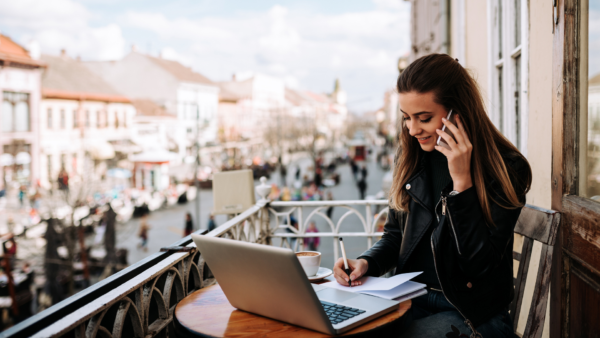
574,254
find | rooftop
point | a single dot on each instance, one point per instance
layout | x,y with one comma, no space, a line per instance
150,108
66,78
235,90
12,52
180,71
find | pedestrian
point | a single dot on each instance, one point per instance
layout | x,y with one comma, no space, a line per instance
306,181
22,195
354,168
331,167
330,209
63,180
362,187
211,223
283,174
10,224
189,225
318,177
292,240
363,171
477,189
286,194
143,233
312,242
10,250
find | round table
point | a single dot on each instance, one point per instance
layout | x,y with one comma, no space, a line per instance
207,312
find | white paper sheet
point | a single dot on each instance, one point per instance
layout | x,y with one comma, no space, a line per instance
411,295
375,283
399,291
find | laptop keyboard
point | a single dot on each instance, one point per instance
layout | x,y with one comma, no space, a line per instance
338,313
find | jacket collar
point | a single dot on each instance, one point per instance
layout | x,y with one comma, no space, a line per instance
419,186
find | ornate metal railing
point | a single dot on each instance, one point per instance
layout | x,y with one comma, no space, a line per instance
139,301
282,212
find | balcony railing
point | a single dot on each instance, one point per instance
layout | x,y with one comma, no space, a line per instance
282,212
139,301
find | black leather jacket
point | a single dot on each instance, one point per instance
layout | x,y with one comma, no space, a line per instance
473,260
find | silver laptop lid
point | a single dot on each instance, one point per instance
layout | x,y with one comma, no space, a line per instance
265,280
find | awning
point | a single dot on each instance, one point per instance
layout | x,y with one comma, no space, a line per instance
100,149
125,146
154,156
6,159
23,158
118,173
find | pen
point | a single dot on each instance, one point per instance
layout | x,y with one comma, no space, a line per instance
345,262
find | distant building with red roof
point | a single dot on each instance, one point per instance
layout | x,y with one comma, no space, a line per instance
20,76
85,123
185,94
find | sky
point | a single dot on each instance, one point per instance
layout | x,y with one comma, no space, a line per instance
306,43
594,38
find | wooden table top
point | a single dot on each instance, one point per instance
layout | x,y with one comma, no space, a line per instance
208,312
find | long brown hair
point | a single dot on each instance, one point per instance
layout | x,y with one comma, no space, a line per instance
454,88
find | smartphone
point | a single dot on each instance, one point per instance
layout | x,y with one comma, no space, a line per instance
440,141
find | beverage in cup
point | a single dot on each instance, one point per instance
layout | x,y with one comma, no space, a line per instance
310,261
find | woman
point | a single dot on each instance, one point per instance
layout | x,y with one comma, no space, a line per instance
189,225
452,211
143,233
312,243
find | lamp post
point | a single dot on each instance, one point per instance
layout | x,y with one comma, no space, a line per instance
197,166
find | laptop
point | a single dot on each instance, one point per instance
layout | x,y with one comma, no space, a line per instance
269,281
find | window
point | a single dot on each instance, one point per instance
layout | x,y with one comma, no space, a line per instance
7,116
105,116
99,118
75,119
509,73
49,119
88,119
63,122
74,163
116,120
15,112
590,164
49,161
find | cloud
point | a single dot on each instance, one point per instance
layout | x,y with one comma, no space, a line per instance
61,24
305,48
594,42
171,54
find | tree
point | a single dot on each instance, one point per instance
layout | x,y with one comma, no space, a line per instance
52,292
110,219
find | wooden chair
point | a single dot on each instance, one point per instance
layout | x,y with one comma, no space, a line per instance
536,229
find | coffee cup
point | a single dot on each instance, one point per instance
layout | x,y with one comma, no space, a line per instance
310,261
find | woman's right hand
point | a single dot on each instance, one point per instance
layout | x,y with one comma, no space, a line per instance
358,267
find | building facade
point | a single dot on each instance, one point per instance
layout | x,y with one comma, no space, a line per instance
20,77
186,94
84,125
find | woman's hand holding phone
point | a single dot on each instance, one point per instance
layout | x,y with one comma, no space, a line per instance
459,154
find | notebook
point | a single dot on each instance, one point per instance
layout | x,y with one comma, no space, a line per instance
388,288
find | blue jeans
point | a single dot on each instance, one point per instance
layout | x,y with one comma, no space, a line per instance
432,316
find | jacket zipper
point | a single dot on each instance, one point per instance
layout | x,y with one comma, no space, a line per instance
443,199
467,321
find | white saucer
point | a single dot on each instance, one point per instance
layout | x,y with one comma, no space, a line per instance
322,273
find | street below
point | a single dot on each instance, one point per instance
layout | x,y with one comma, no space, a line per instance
167,224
